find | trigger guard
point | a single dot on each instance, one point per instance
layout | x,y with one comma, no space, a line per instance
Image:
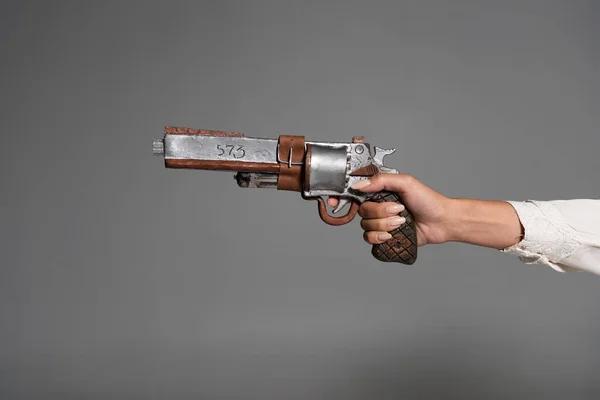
336,221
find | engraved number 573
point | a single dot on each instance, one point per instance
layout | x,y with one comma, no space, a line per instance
232,150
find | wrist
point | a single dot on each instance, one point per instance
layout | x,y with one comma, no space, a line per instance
454,217
486,223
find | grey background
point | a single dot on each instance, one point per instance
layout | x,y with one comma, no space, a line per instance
121,279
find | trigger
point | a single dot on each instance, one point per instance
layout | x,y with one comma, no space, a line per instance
342,203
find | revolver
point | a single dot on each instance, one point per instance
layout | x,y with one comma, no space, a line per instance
316,170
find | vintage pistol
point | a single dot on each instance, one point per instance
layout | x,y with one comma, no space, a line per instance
315,169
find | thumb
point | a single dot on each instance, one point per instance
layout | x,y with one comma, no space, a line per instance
400,183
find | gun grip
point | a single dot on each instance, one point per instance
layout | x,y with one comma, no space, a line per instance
402,247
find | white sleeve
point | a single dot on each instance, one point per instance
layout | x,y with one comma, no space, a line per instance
564,234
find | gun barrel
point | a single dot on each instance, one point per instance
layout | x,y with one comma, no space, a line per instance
229,153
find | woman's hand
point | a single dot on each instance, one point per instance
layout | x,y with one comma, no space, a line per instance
438,218
428,207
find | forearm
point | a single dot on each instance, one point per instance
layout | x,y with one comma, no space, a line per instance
564,234
485,223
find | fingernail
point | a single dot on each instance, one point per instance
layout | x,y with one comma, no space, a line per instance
384,236
395,221
361,184
395,209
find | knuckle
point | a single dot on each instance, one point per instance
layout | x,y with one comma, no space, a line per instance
366,209
364,224
381,209
371,237
382,225
366,237
394,180
408,179
363,209
378,179
378,224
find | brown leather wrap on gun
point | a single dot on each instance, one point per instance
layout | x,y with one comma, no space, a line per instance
292,149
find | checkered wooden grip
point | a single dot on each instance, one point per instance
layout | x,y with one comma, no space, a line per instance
402,247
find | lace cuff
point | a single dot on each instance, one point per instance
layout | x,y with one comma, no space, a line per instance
548,238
